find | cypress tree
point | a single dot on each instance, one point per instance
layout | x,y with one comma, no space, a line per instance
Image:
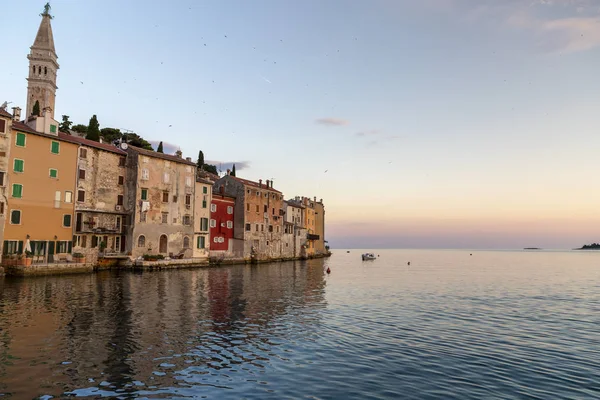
233,170
36,109
159,149
93,132
200,162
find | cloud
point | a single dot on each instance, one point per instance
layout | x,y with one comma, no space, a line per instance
368,133
331,121
225,165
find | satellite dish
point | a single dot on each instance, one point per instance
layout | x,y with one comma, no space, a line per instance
124,146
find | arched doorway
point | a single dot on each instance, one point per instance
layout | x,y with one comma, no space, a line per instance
162,244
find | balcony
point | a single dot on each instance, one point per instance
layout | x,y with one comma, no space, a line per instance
312,236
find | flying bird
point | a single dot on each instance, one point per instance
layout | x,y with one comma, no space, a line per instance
325,171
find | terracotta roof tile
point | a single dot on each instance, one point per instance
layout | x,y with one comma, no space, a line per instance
22,127
5,113
252,183
91,143
169,157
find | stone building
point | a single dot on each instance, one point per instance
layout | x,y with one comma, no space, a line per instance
100,216
319,226
160,192
203,193
258,216
310,224
43,67
294,232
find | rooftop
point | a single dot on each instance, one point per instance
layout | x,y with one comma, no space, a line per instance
22,127
4,113
254,184
168,157
91,143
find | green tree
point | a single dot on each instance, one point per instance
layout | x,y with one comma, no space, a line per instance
200,162
136,140
159,149
65,125
36,109
93,132
210,168
79,128
233,170
109,135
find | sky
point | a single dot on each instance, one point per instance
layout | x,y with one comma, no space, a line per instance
421,124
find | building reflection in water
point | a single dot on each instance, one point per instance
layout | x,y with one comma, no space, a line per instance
111,333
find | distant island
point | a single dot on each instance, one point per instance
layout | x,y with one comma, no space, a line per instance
593,246
532,248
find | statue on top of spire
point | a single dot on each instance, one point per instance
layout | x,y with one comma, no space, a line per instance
46,12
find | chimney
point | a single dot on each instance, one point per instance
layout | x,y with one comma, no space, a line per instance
189,159
268,183
260,183
178,153
16,113
228,171
321,201
315,199
100,140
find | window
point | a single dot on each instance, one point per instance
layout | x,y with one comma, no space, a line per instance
67,220
11,247
213,223
258,193
257,208
15,217
248,227
94,241
174,199
53,173
262,228
213,208
229,210
186,242
18,165
144,194
121,161
204,224
201,242
120,200
221,239
188,199
188,181
121,180
204,189
203,203
265,208
54,146
81,196
165,198
57,199
273,211
278,229
82,174
166,177
165,218
187,220
68,197
141,241
82,153
248,207
256,227
20,140
1,208
230,224
270,228
17,190
145,175
62,246
216,239
2,126
84,241
2,173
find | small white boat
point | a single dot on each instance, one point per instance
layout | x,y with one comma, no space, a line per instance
368,256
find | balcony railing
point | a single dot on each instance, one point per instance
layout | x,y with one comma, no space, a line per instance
311,236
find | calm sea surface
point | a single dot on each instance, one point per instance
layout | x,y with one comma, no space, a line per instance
494,325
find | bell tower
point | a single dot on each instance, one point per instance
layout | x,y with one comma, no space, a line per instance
43,66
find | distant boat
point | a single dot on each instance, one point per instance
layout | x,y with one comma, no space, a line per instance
368,257
532,248
348,251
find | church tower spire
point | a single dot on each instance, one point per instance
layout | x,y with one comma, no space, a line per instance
43,66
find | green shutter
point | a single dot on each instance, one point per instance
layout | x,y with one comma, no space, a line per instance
20,139
52,128
67,220
204,189
18,165
144,194
51,248
203,203
69,247
5,248
17,191
53,173
55,147
20,248
15,217
202,242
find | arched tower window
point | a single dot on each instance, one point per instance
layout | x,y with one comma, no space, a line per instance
39,70
33,72
45,70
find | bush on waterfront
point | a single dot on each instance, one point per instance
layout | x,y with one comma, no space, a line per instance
153,257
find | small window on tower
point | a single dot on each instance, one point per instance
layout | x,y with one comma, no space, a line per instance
45,70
